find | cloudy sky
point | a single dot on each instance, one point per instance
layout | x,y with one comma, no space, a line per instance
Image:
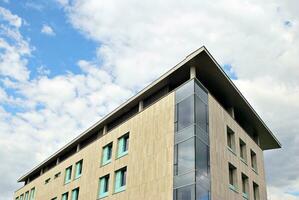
65,64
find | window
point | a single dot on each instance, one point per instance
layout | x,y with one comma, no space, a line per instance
245,186
26,195
253,160
185,193
185,157
17,198
120,180
103,186
47,180
185,113
256,195
232,177
243,154
65,196
68,175
32,194
55,198
107,154
22,196
230,139
57,175
78,171
75,194
123,145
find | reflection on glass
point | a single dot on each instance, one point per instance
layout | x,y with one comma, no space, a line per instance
186,156
185,113
185,193
184,91
201,113
202,193
202,158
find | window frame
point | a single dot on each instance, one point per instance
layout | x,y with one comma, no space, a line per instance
75,192
106,152
120,180
103,180
78,169
69,175
123,145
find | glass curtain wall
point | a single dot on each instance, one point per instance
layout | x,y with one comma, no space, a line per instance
191,150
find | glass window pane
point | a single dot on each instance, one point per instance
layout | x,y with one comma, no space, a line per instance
185,193
202,158
184,91
185,113
201,93
201,111
186,154
202,193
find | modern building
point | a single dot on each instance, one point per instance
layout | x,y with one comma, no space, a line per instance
190,135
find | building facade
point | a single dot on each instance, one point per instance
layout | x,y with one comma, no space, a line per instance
190,135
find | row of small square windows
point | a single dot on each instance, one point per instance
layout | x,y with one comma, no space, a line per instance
27,196
233,185
123,146
120,175
65,196
243,152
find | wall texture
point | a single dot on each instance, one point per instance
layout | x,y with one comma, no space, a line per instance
219,119
149,161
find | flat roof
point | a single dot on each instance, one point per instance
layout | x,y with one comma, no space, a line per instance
212,76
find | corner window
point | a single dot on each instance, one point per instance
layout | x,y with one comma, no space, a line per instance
253,160
243,153
123,145
232,177
75,194
103,186
65,196
120,180
245,186
185,113
68,175
256,195
78,169
230,139
107,154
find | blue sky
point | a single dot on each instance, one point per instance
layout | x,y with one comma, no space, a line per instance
65,64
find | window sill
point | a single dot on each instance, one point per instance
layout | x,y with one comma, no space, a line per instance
231,150
103,196
245,195
120,190
233,188
105,163
255,170
77,177
122,154
244,161
67,182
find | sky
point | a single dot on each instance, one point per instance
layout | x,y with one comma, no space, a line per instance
66,64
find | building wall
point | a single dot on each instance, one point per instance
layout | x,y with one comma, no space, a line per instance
149,161
219,119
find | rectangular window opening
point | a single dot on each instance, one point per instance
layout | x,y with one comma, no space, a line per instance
120,180
65,196
232,177
256,195
123,145
253,160
68,175
243,153
103,186
78,169
75,194
245,186
230,138
107,154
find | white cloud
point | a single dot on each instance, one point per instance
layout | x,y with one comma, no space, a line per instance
142,40
48,30
138,42
13,20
